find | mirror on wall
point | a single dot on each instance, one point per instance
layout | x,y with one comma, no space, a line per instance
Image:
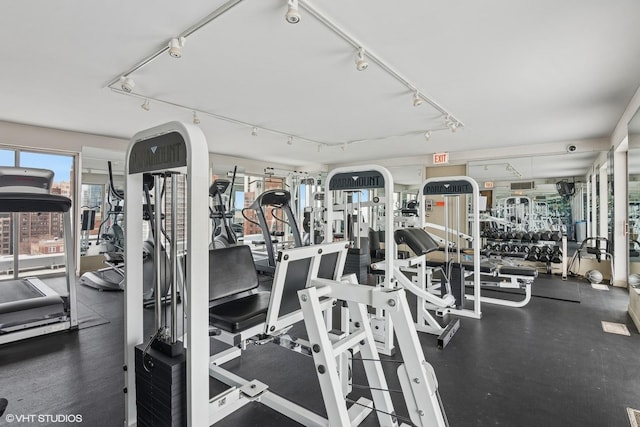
245,186
633,166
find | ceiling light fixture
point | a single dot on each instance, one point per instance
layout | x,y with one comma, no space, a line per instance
292,16
290,140
254,131
196,119
127,84
146,106
175,47
417,100
361,63
451,124
427,135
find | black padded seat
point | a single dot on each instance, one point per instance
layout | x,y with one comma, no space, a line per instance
234,301
418,240
518,271
240,314
484,267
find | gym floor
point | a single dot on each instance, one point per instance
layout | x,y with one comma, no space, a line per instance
547,364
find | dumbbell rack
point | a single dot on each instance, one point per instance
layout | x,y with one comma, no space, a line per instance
546,247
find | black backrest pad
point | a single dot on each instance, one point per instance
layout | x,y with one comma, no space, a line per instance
297,275
231,271
327,269
417,239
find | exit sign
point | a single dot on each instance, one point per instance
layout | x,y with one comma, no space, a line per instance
440,158
488,184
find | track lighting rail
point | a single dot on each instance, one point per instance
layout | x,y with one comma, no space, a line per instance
364,54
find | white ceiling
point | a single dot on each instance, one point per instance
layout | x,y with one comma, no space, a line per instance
517,73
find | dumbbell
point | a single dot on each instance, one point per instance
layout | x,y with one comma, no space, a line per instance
526,237
545,235
532,256
526,249
556,236
535,236
544,257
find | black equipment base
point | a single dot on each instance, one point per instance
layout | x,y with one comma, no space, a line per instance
161,395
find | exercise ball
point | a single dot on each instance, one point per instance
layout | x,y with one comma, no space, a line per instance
634,280
594,276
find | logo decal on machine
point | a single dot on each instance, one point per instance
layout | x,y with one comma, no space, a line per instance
451,187
351,181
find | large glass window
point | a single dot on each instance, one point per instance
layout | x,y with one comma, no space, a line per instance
32,243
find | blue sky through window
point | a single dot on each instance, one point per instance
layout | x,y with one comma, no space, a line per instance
59,164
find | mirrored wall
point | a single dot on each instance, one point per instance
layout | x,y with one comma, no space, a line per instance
633,165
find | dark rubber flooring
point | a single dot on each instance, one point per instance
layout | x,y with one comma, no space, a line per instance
545,365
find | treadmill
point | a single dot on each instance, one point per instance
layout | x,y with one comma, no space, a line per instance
28,307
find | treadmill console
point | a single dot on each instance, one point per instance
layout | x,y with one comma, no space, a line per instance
25,180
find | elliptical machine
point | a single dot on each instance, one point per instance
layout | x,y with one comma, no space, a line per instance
111,278
113,236
223,235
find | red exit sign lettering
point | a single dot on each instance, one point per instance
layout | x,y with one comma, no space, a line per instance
440,158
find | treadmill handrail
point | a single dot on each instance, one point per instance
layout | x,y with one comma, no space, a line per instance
30,202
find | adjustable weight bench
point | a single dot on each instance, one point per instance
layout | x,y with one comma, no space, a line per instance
512,277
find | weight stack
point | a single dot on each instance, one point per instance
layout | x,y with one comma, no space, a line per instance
358,261
161,395
457,284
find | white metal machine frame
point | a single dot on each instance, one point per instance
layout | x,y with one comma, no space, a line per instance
456,187
331,350
182,148
178,147
368,177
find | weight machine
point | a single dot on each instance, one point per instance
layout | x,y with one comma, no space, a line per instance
377,179
168,150
452,189
178,366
